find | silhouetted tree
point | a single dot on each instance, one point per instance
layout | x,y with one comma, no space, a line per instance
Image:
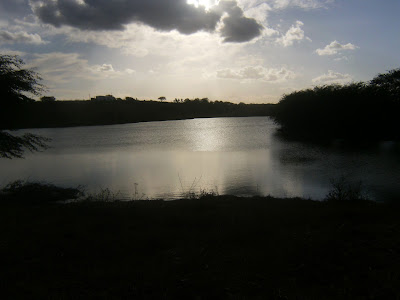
162,98
14,81
14,146
353,111
388,82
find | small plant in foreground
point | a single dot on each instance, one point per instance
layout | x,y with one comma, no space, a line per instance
343,190
104,195
211,193
136,196
190,193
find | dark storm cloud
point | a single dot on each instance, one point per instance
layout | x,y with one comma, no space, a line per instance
164,15
237,28
113,15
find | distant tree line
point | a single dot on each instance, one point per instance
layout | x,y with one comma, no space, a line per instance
83,112
18,110
355,111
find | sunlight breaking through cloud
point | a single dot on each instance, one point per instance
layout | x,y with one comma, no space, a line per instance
207,4
233,50
187,17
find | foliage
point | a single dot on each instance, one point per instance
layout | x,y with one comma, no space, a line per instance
388,82
359,110
104,195
48,99
14,146
343,190
83,113
15,80
35,192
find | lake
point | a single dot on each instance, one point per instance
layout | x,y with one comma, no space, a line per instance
239,156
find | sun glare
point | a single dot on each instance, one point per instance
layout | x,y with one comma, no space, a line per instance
207,4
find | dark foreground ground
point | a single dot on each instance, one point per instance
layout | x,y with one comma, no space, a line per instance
211,248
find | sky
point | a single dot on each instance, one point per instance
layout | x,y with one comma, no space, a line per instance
248,51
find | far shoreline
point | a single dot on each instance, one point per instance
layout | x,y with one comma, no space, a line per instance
89,113
135,122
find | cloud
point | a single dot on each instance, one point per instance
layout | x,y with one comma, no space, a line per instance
130,71
236,27
257,73
334,48
229,74
259,9
162,15
332,77
13,8
295,33
58,67
107,70
258,12
6,51
305,4
7,37
343,58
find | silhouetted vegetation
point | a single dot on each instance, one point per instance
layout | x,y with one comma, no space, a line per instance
37,192
388,83
356,111
107,110
343,190
14,146
19,111
15,81
210,248
48,99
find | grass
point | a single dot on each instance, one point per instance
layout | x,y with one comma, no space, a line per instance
220,247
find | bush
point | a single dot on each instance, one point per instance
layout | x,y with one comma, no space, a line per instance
343,190
366,111
35,192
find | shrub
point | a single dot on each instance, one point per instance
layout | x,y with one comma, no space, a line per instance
34,192
343,190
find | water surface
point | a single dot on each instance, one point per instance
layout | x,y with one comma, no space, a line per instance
239,156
